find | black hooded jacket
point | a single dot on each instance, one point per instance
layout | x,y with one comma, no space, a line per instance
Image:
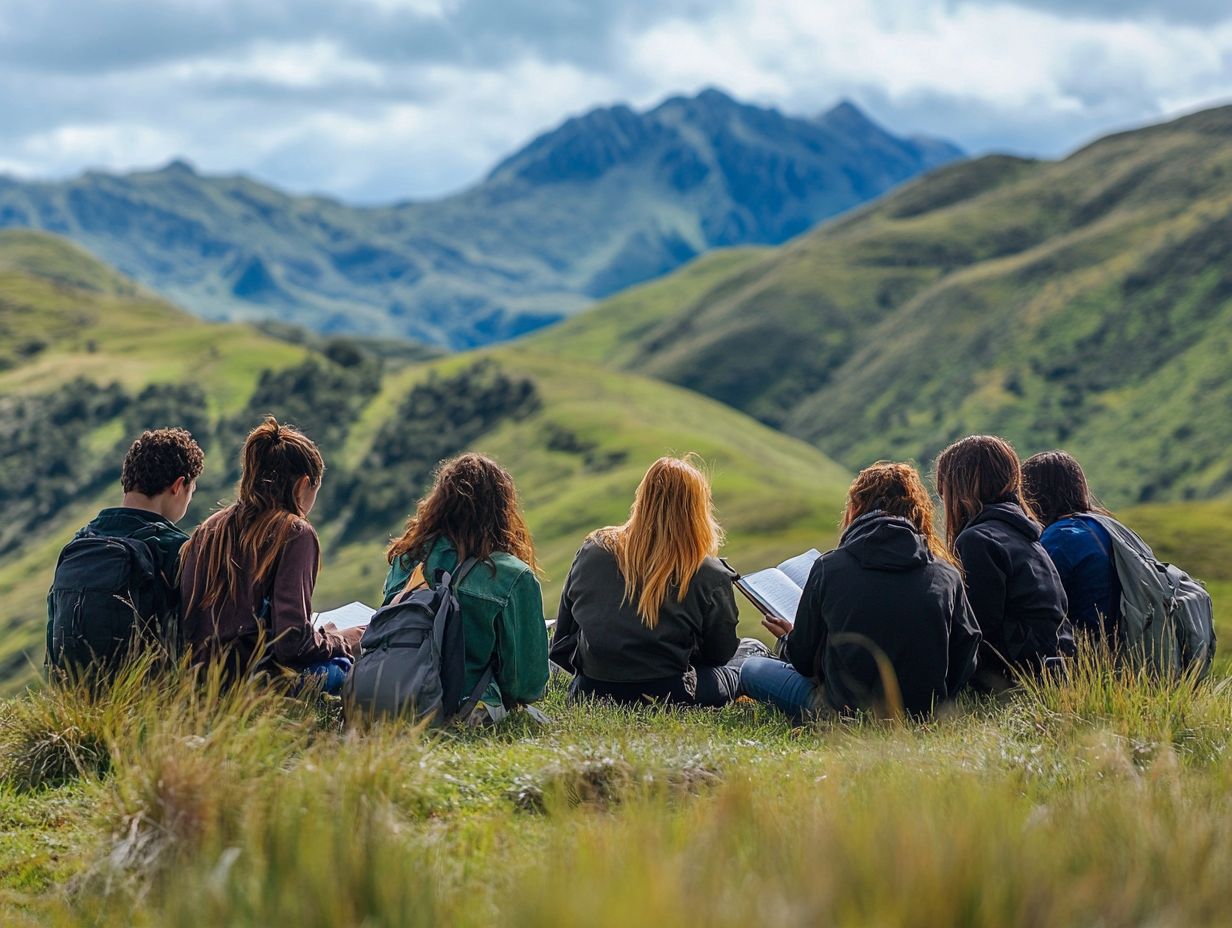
881,592
1014,588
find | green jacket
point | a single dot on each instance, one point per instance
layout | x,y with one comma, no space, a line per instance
122,522
502,606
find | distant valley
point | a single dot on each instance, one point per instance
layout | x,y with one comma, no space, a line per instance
607,199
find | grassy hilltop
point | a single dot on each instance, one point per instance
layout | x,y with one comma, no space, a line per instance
1084,303
577,457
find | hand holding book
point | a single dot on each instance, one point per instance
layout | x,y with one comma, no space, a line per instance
776,591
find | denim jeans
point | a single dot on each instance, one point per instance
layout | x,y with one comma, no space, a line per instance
768,679
328,675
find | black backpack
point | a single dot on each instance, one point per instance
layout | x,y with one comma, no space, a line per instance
108,596
412,661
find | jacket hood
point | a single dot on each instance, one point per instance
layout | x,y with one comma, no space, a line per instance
1011,514
879,541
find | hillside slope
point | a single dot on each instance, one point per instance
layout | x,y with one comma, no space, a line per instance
577,451
605,200
1084,303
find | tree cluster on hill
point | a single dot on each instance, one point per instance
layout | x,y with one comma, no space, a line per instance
65,445
47,460
439,417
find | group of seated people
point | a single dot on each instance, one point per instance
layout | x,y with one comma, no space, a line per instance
897,614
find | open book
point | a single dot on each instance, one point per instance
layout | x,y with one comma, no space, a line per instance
352,615
777,590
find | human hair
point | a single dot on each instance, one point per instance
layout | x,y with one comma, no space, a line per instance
254,529
158,459
1057,487
670,531
897,490
974,472
474,504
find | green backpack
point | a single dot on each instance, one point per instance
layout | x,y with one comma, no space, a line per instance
1167,617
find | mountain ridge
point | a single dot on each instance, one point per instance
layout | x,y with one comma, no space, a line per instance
1085,302
603,200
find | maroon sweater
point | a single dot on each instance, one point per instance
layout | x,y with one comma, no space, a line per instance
232,628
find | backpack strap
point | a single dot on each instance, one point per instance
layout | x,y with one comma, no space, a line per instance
460,573
485,678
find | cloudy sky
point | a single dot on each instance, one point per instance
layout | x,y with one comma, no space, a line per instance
376,100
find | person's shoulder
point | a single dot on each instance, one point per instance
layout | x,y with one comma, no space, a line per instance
713,572
940,567
592,551
301,533
509,564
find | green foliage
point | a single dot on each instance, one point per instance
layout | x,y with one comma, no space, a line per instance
45,458
160,406
440,416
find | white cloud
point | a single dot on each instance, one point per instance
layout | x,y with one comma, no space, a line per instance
378,112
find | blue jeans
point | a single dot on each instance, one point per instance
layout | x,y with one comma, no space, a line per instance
329,675
768,679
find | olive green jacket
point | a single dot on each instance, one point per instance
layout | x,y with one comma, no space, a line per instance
502,607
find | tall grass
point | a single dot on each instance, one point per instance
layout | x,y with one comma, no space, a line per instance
1100,798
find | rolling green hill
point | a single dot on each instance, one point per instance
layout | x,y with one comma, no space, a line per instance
604,200
1085,303
577,451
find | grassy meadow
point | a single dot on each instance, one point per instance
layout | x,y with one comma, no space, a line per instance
1100,800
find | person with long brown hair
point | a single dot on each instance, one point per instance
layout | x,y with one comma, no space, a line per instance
1080,548
648,612
883,624
472,514
248,571
1012,584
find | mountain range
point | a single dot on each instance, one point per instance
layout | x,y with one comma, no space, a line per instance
1084,303
607,199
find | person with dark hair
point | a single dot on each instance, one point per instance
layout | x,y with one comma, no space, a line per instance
1012,584
883,624
472,513
1080,548
133,547
249,569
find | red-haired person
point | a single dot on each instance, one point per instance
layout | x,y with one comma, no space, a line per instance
249,570
648,612
472,512
1011,582
884,624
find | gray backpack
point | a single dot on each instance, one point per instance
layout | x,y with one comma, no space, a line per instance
412,658
1167,617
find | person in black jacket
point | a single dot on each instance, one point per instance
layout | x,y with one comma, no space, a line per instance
648,613
1012,584
883,623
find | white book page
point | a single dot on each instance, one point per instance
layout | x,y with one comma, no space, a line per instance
352,615
775,590
798,567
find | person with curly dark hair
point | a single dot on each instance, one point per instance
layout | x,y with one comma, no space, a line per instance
472,512
133,548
